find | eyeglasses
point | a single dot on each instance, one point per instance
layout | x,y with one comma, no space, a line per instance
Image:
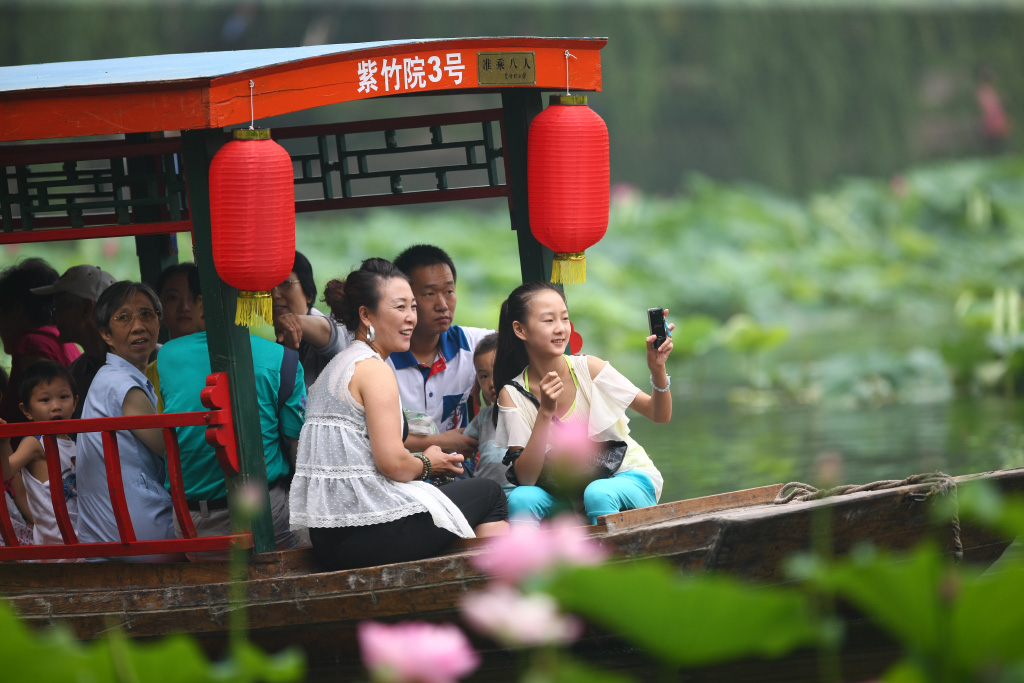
146,315
287,284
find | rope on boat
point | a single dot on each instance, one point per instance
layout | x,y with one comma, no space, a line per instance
936,483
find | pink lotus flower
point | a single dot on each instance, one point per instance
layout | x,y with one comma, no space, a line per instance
571,444
415,652
517,620
526,550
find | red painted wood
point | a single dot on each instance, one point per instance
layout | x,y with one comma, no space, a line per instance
6,527
221,432
423,197
56,484
115,549
174,476
308,84
105,424
217,420
101,111
376,125
115,485
58,153
288,86
61,231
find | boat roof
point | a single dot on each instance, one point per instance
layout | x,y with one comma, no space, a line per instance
212,89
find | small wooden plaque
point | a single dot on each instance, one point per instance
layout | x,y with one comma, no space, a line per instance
506,68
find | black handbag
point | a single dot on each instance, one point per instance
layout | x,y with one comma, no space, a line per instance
604,462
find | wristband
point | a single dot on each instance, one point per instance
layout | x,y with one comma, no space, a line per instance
668,383
426,465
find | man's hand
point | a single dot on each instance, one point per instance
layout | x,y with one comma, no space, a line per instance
455,440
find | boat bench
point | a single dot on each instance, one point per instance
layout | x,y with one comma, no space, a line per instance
220,433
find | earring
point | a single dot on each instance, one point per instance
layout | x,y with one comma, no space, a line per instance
370,334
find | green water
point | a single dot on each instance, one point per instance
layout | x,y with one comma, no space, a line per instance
711,447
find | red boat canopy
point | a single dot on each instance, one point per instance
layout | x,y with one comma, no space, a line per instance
211,89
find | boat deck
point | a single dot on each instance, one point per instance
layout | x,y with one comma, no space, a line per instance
742,533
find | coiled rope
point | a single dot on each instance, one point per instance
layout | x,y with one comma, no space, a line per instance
936,483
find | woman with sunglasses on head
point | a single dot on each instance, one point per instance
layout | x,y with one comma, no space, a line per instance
300,326
128,318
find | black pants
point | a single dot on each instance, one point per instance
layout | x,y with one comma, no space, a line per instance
410,538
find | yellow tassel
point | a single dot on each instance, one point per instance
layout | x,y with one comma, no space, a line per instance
253,305
569,268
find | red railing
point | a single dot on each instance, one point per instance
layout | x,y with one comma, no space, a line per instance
220,433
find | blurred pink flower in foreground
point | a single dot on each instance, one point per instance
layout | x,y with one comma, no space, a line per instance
250,498
525,550
571,444
517,620
415,652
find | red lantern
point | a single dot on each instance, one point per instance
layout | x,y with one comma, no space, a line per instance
252,217
568,178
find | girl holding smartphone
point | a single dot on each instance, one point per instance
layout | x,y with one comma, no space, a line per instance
581,394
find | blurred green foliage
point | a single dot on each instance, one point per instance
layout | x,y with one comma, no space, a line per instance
54,656
789,95
950,622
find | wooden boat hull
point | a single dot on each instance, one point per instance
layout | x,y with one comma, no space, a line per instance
741,533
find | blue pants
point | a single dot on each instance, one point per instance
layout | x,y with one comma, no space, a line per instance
624,491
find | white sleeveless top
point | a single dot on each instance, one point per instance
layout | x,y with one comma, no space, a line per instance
337,483
600,403
45,531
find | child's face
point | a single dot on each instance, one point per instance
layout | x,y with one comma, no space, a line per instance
50,401
484,364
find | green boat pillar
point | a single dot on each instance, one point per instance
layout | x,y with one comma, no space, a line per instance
520,106
229,346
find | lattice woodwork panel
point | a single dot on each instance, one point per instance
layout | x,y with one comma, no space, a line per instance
58,191
88,185
397,161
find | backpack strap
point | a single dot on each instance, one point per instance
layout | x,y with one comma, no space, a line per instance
289,368
524,392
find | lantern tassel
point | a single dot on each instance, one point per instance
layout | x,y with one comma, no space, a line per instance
569,268
253,305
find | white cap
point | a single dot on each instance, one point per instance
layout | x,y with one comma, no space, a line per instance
84,281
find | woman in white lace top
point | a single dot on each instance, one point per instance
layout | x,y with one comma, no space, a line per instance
356,486
577,401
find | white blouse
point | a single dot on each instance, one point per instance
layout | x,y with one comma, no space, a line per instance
601,402
337,483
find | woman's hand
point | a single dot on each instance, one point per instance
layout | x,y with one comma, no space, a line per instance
289,330
656,357
441,463
550,390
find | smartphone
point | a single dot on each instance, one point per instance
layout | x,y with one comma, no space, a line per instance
656,320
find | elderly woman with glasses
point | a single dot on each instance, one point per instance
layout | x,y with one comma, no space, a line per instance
299,326
128,318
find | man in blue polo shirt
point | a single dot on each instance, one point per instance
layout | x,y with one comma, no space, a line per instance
182,367
436,375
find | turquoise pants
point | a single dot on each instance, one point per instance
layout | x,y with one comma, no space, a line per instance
625,491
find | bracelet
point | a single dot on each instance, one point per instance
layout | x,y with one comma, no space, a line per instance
668,383
426,465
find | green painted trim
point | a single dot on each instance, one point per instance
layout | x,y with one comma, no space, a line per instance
520,106
230,351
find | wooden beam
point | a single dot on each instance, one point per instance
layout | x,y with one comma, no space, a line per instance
686,508
182,92
229,346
